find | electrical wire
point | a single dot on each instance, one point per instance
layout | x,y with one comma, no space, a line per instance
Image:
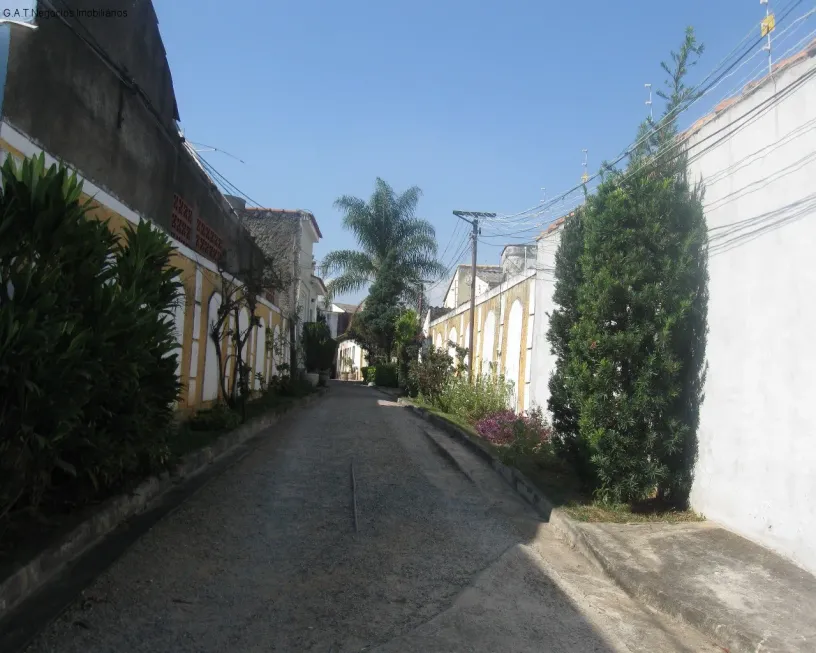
757,70
667,120
450,268
452,238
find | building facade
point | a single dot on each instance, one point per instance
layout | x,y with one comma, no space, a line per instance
110,114
502,341
458,290
351,359
756,156
287,237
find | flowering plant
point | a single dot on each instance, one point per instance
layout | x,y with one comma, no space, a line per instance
528,434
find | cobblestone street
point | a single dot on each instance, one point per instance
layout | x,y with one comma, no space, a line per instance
265,557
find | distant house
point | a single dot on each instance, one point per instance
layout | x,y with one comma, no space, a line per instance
288,237
338,316
458,290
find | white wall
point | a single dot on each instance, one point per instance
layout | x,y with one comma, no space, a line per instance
452,296
543,361
351,348
513,355
756,471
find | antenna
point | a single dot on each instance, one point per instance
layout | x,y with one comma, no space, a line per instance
201,147
649,101
767,26
585,176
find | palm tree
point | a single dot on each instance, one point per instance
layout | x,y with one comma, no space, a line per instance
386,229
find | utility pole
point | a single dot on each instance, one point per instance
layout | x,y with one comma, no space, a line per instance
472,217
649,101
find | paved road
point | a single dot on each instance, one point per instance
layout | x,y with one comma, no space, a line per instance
266,558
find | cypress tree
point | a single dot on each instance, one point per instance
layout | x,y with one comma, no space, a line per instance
635,362
561,404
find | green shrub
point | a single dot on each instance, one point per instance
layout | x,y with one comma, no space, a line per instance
87,344
488,394
319,347
567,443
430,372
364,373
218,418
295,387
370,374
386,375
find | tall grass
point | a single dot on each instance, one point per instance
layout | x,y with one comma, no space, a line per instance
487,395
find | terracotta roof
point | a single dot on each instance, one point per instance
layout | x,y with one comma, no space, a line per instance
806,53
555,225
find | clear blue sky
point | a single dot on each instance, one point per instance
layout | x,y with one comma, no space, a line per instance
480,105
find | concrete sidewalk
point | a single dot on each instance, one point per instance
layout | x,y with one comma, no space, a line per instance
743,595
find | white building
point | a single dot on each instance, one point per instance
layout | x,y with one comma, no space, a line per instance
543,364
458,290
756,469
288,237
351,359
756,466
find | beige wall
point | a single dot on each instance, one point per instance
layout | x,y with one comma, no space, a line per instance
200,281
499,300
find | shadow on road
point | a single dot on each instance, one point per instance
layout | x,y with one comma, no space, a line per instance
263,555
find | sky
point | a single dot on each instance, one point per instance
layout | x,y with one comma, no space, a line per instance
480,105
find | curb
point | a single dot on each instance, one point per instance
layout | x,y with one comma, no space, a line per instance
518,481
639,589
395,395
47,564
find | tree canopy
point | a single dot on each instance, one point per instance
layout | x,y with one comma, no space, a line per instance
386,229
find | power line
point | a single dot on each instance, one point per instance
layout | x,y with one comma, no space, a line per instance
667,120
451,239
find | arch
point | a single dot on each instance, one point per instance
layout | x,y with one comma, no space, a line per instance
452,338
512,360
438,340
210,386
260,353
179,312
488,342
275,346
243,325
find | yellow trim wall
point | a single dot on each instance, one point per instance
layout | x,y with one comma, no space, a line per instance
196,301
499,300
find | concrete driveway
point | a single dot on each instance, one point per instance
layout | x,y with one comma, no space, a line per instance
446,557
